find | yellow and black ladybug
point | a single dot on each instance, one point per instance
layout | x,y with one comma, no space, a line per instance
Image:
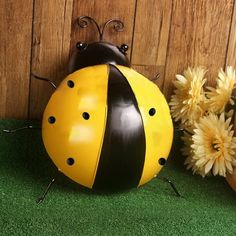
107,126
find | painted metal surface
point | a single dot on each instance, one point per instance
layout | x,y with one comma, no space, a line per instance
73,134
108,128
96,54
158,126
123,151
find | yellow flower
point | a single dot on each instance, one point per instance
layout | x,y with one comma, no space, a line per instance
187,151
187,139
221,95
213,146
187,103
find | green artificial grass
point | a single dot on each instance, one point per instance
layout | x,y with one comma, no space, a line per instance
208,206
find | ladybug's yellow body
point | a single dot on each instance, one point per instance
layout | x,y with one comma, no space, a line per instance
77,126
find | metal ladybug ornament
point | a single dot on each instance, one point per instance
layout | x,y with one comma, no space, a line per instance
106,126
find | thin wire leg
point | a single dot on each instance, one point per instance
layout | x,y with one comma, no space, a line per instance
41,199
171,184
19,129
156,77
44,79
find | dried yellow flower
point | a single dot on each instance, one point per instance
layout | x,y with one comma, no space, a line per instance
187,103
213,146
187,151
221,95
187,139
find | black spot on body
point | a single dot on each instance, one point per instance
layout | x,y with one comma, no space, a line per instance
51,119
70,161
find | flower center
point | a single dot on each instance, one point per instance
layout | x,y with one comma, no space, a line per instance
215,146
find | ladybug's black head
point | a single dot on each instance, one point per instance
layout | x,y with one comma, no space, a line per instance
99,52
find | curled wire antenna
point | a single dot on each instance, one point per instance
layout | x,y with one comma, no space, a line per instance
84,21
